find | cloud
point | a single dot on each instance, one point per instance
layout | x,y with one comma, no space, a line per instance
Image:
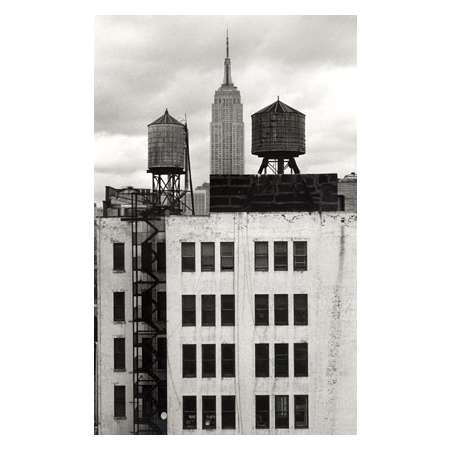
144,64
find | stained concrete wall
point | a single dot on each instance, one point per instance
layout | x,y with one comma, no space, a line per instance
330,283
110,230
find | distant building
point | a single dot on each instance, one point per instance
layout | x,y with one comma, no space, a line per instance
227,126
347,193
201,198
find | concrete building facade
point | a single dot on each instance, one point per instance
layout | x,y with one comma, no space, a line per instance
328,387
227,127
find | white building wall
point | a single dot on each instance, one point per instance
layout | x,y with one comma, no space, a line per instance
330,283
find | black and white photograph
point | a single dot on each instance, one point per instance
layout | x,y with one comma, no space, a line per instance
225,225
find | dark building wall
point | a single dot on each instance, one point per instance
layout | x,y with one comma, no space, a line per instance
348,190
300,192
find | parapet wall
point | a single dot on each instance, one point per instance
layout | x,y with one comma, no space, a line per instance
259,193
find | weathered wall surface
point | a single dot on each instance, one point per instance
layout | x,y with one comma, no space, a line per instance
112,230
330,283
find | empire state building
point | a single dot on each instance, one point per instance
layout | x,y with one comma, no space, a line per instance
227,126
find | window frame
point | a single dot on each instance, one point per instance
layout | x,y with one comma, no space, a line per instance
209,409
118,306
209,360
263,412
120,405
262,356
187,261
189,369
281,351
118,257
262,254
187,321
297,254
192,410
277,266
208,310
305,422
119,354
228,372
301,359
226,311
301,309
226,257
228,412
261,310
281,309
205,265
281,420
161,256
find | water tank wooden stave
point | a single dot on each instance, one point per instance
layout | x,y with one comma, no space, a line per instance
278,131
166,145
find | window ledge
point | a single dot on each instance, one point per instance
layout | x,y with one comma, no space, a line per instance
119,271
119,321
120,370
120,417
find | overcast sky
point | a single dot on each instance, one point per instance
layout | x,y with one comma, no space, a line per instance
144,64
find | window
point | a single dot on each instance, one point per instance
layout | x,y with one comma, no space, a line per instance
228,412
227,316
261,360
261,256
187,257
208,310
300,255
119,401
281,360
119,353
118,256
227,256
147,354
341,203
147,306
162,398
228,364
300,309
280,255
146,401
189,412
261,309
146,256
188,310
262,410
189,361
207,250
161,307
209,412
161,257
281,411
208,360
301,359
119,306
301,411
281,309
162,353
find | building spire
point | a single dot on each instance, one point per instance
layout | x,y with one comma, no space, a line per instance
227,66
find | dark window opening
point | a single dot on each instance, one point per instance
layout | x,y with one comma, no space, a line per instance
208,310
227,313
280,255
119,353
188,310
341,203
261,256
208,360
300,309
162,353
281,309
207,256
300,255
146,257
261,309
162,305
228,412
227,256
301,359
301,411
162,398
281,360
119,307
119,401
261,360
147,354
146,401
209,412
118,256
189,361
147,306
188,257
262,409
228,360
161,256
281,411
189,412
